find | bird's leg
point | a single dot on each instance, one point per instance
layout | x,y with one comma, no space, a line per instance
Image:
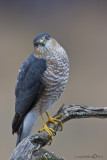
54,120
47,129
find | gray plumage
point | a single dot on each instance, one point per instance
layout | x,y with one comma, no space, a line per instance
28,88
41,81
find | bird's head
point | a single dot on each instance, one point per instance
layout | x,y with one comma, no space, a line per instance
44,44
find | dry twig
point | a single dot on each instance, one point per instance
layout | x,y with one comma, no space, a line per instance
31,147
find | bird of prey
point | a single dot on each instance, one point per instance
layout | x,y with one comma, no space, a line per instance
40,82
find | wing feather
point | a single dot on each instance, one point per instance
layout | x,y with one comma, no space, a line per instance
28,88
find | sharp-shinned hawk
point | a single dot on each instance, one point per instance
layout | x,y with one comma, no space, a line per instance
41,81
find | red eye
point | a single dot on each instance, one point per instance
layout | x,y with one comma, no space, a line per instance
36,44
47,37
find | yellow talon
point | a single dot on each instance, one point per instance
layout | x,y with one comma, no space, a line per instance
54,120
47,129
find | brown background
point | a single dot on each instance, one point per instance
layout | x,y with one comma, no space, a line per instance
79,26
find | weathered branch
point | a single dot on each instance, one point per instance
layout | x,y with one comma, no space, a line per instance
30,147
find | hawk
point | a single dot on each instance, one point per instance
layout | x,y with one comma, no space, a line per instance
40,82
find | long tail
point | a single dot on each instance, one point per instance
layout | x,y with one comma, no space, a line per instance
19,134
27,125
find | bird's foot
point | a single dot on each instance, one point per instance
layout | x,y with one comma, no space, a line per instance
55,120
49,131
52,120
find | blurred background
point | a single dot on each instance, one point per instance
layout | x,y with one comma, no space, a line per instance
81,28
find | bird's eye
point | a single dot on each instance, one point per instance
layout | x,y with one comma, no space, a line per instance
36,44
47,37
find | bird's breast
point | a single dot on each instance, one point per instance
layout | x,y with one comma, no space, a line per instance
55,77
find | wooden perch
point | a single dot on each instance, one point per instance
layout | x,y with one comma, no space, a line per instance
31,147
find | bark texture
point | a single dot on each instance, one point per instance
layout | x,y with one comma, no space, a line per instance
31,147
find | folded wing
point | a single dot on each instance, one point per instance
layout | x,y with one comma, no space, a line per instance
28,88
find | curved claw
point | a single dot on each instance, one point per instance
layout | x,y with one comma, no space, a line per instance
55,120
49,131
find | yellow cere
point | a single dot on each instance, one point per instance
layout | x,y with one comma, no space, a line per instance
41,41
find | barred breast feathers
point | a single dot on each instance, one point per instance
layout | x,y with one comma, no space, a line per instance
57,61
56,74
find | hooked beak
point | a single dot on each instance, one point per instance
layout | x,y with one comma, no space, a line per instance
42,42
